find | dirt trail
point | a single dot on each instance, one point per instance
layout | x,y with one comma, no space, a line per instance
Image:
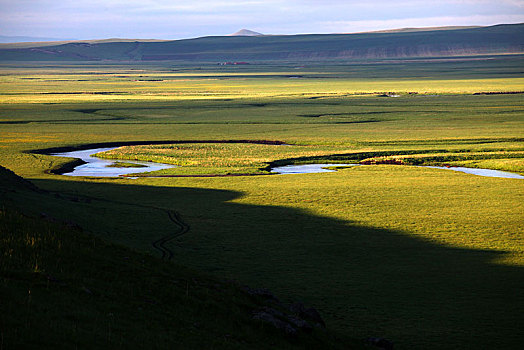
159,244
183,228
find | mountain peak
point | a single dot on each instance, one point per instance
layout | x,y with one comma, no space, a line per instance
246,32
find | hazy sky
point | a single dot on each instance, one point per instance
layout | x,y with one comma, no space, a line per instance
89,19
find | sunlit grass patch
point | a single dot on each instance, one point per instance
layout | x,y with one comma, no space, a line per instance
216,158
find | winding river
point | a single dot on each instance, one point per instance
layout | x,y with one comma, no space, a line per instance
480,172
321,168
98,167
106,168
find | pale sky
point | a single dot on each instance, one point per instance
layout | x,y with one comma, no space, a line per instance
164,19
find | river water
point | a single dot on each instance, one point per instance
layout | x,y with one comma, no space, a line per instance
480,172
99,167
306,168
320,168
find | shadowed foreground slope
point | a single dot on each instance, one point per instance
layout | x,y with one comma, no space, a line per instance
63,288
366,281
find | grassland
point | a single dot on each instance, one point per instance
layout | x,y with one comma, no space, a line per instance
88,82
407,253
63,288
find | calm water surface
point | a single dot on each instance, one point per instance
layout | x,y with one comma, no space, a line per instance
306,168
319,168
99,167
480,172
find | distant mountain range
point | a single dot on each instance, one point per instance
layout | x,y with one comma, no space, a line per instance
27,45
424,29
18,39
246,45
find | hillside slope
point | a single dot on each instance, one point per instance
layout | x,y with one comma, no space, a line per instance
39,44
498,39
62,288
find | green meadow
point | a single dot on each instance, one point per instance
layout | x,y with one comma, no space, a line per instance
427,258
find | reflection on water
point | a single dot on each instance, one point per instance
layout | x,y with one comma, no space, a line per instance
99,167
320,168
306,168
481,172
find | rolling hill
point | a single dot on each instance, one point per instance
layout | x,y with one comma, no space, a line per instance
18,39
35,44
423,29
246,32
499,39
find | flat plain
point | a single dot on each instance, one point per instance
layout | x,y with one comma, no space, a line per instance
427,258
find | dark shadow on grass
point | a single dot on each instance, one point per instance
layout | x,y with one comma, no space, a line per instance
366,281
